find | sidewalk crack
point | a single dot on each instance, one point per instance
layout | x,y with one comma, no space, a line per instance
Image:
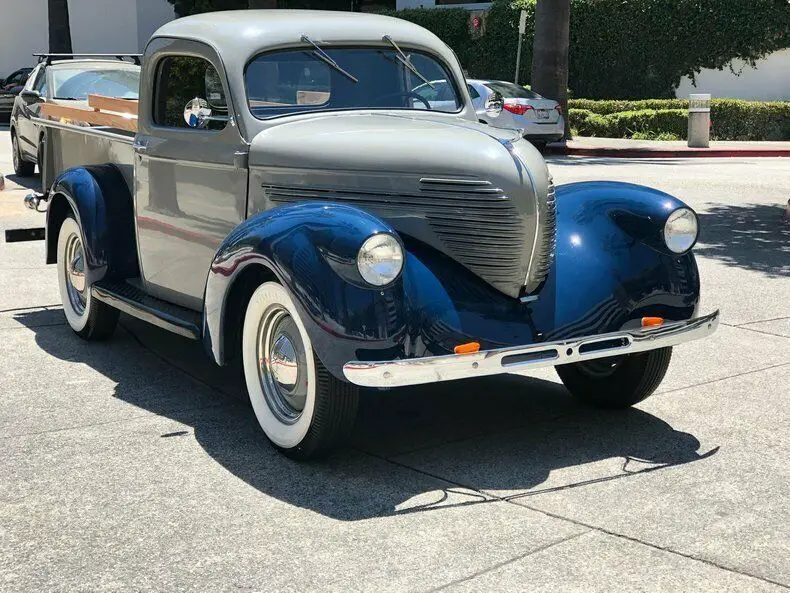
499,565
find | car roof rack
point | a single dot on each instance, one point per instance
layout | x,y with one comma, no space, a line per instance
48,58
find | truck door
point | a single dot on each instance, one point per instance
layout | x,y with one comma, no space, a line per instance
191,175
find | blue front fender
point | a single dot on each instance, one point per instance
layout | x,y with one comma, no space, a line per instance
311,249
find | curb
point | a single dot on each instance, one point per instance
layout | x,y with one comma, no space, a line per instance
636,153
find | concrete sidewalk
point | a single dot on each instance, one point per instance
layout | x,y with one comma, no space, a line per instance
625,148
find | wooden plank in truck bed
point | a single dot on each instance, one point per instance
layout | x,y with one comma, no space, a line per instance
90,116
103,103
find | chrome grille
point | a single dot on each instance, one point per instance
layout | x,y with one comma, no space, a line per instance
476,223
547,243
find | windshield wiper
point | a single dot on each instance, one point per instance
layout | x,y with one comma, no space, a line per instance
404,59
324,57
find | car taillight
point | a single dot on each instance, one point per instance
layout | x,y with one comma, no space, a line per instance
559,109
517,108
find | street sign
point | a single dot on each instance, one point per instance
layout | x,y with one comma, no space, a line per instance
522,22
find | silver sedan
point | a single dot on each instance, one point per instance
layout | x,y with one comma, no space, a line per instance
540,118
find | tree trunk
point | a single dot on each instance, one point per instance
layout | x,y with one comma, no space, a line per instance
59,30
550,52
262,3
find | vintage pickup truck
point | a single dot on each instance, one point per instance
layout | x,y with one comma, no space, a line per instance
288,191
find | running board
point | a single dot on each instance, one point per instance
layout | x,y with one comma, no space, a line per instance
132,300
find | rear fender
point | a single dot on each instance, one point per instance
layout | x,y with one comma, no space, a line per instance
99,199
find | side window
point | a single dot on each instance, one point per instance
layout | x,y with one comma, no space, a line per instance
41,82
472,92
179,81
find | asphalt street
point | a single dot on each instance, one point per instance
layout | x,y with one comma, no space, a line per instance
131,466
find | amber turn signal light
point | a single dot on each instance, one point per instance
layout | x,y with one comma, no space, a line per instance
468,348
652,321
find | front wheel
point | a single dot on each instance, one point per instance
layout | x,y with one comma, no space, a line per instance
22,168
304,411
618,381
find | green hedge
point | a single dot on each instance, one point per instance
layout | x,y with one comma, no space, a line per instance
620,48
732,119
625,124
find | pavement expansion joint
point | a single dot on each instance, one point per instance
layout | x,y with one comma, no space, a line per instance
758,321
504,563
760,370
43,307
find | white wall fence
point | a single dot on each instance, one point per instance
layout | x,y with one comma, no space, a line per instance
770,81
97,26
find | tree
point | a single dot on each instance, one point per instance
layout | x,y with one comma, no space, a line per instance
59,30
550,51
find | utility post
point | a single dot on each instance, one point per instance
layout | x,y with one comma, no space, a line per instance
522,28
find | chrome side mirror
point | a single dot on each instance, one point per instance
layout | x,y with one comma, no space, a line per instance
197,113
494,104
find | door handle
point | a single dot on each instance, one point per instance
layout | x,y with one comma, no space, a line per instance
240,159
140,148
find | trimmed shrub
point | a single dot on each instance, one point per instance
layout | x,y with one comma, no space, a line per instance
624,124
732,119
451,25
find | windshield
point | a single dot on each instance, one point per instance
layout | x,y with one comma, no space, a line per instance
295,81
508,90
78,84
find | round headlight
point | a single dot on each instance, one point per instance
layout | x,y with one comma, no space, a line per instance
380,259
680,231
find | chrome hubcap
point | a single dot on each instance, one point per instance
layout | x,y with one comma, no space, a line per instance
74,256
15,150
282,364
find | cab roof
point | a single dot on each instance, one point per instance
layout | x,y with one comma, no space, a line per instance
247,32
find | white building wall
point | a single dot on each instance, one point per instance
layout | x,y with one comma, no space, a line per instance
23,31
97,26
103,26
770,81
152,14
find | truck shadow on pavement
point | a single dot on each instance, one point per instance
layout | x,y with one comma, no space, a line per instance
31,183
749,236
413,450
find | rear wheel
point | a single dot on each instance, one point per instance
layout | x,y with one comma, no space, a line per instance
616,382
90,319
21,167
304,411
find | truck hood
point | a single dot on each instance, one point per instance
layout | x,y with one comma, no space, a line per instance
477,193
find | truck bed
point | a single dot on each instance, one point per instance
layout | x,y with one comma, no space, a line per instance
79,144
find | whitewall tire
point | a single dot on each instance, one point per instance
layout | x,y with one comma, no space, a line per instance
90,319
304,411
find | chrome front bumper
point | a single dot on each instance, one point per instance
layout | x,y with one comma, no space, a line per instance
415,371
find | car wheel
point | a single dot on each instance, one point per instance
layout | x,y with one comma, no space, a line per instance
616,382
90,319
540,145
21,167
304,411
